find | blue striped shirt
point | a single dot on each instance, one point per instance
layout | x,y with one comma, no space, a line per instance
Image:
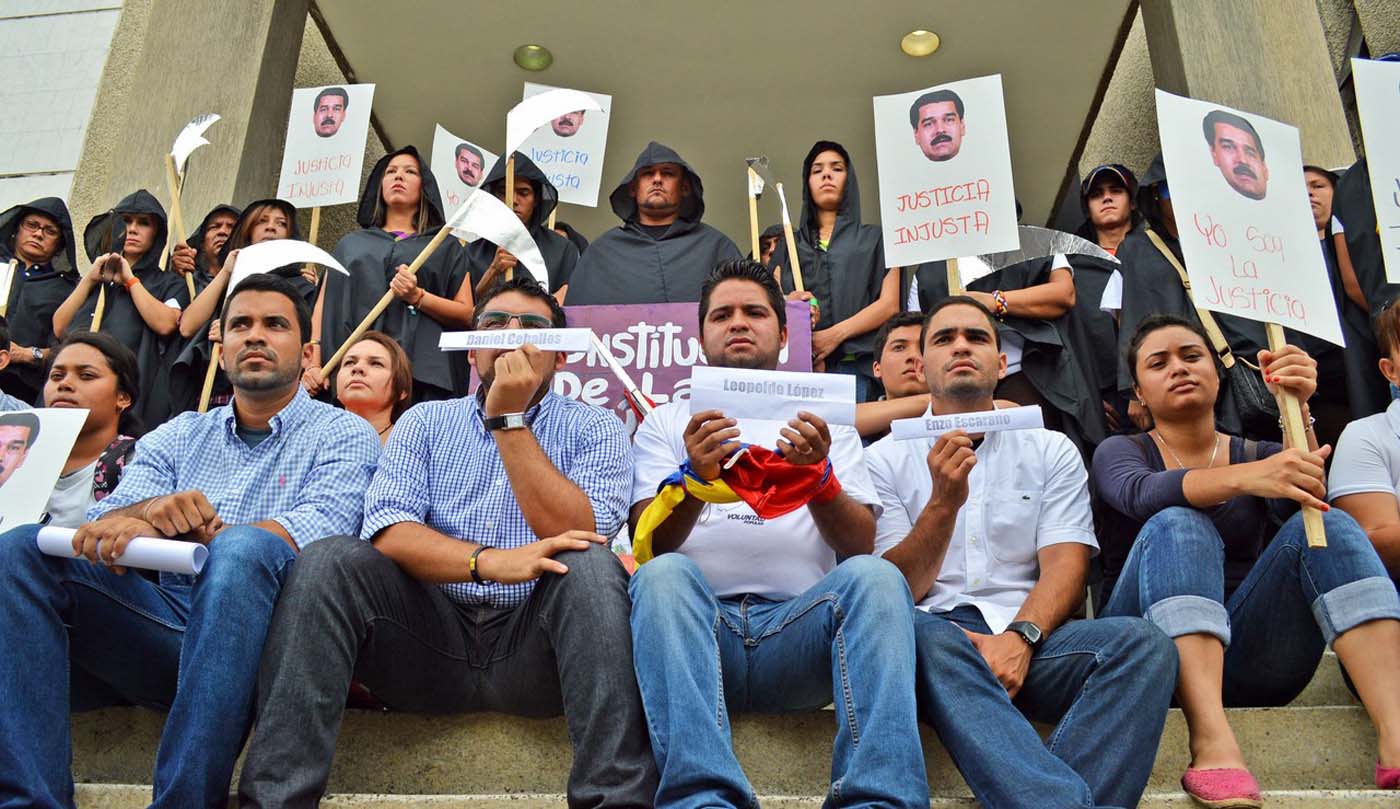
441,468
309,475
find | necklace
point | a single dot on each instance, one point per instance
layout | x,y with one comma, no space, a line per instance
1214,452
387,427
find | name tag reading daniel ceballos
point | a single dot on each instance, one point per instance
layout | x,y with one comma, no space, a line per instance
982,421
543,339
742,393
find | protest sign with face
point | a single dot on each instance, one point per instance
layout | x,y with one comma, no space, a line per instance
1378,106
1242,212
945,172
459,165
570,149
34,445
325,149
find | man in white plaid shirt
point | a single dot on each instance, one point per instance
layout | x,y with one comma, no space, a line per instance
486,583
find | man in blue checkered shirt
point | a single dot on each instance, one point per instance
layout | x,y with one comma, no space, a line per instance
255,481
486,583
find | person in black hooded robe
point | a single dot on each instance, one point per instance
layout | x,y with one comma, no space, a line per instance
399,215
261,221
38,237
571,233
143,302
535,197
661,252
200,253
843,268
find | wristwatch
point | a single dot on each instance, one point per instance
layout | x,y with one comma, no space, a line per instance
1029,632
505,421
38,354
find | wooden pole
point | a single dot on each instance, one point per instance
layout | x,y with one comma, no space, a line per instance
312,236
510,197
9,284
955,284
100,308
552,215
753,217
791,243
384,302
172,181
209,375
1295,436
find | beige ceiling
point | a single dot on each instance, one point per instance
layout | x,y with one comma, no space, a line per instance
725,79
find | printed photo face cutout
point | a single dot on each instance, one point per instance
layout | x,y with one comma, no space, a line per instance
568,125
937,118
470,164
16,436
329,112
1236,149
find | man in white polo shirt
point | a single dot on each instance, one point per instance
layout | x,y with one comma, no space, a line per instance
994,534
738,612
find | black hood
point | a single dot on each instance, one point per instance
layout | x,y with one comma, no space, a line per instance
370,197
848,212
580,241
66,259
546,195
234,241
692,207
196,239
1146,202
106,233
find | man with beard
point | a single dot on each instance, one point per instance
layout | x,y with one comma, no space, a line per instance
568,124
255,481
993,534
469,164
481,581
737,612
1236,150
18,432
328,111
38,237
662,251
937,119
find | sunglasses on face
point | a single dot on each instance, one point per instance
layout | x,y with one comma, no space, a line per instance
494,320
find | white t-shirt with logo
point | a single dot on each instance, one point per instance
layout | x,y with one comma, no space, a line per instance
738,551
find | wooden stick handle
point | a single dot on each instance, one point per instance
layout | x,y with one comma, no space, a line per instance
9,284
753,219
208,388
552,215
510,197
1295,436
383,304
312,235
791,245
172,181
955,284
100,308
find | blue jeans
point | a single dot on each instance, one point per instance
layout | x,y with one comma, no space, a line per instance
1293,602
192,649
848,640
1107,683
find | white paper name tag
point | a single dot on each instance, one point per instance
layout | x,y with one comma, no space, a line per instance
983,421
545,339
741,393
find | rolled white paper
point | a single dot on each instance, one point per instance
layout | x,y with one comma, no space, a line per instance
982,421
147,553
544,339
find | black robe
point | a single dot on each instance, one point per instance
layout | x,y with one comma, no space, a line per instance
372,255
845,277
630,265
202,275
122,320
35,294
1353,206
560,254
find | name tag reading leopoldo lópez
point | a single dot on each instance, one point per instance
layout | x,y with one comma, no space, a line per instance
982,421
742,393
509,339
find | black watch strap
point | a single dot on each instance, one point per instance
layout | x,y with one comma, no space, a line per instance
505,421
1029,632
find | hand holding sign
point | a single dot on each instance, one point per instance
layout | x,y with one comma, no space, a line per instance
483,216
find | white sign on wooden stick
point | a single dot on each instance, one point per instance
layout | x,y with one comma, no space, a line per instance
459,166
570,150
1378,106
325,148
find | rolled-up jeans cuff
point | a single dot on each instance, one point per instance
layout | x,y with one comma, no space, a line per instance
1355,603
1190,615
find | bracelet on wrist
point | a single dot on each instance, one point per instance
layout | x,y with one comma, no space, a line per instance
132,282
1307,427
474,567
999,298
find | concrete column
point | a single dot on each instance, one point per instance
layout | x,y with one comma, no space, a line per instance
170,61
1263,56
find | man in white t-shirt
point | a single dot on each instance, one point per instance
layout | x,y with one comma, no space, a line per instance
737,612
994,534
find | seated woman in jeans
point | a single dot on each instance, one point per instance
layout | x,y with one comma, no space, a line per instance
1187,527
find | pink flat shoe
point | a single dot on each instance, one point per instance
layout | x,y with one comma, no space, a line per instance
1387,777
1223,788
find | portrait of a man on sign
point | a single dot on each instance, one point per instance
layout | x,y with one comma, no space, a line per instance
937,119
18,432
470,164
1237,150
568,125
328,113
